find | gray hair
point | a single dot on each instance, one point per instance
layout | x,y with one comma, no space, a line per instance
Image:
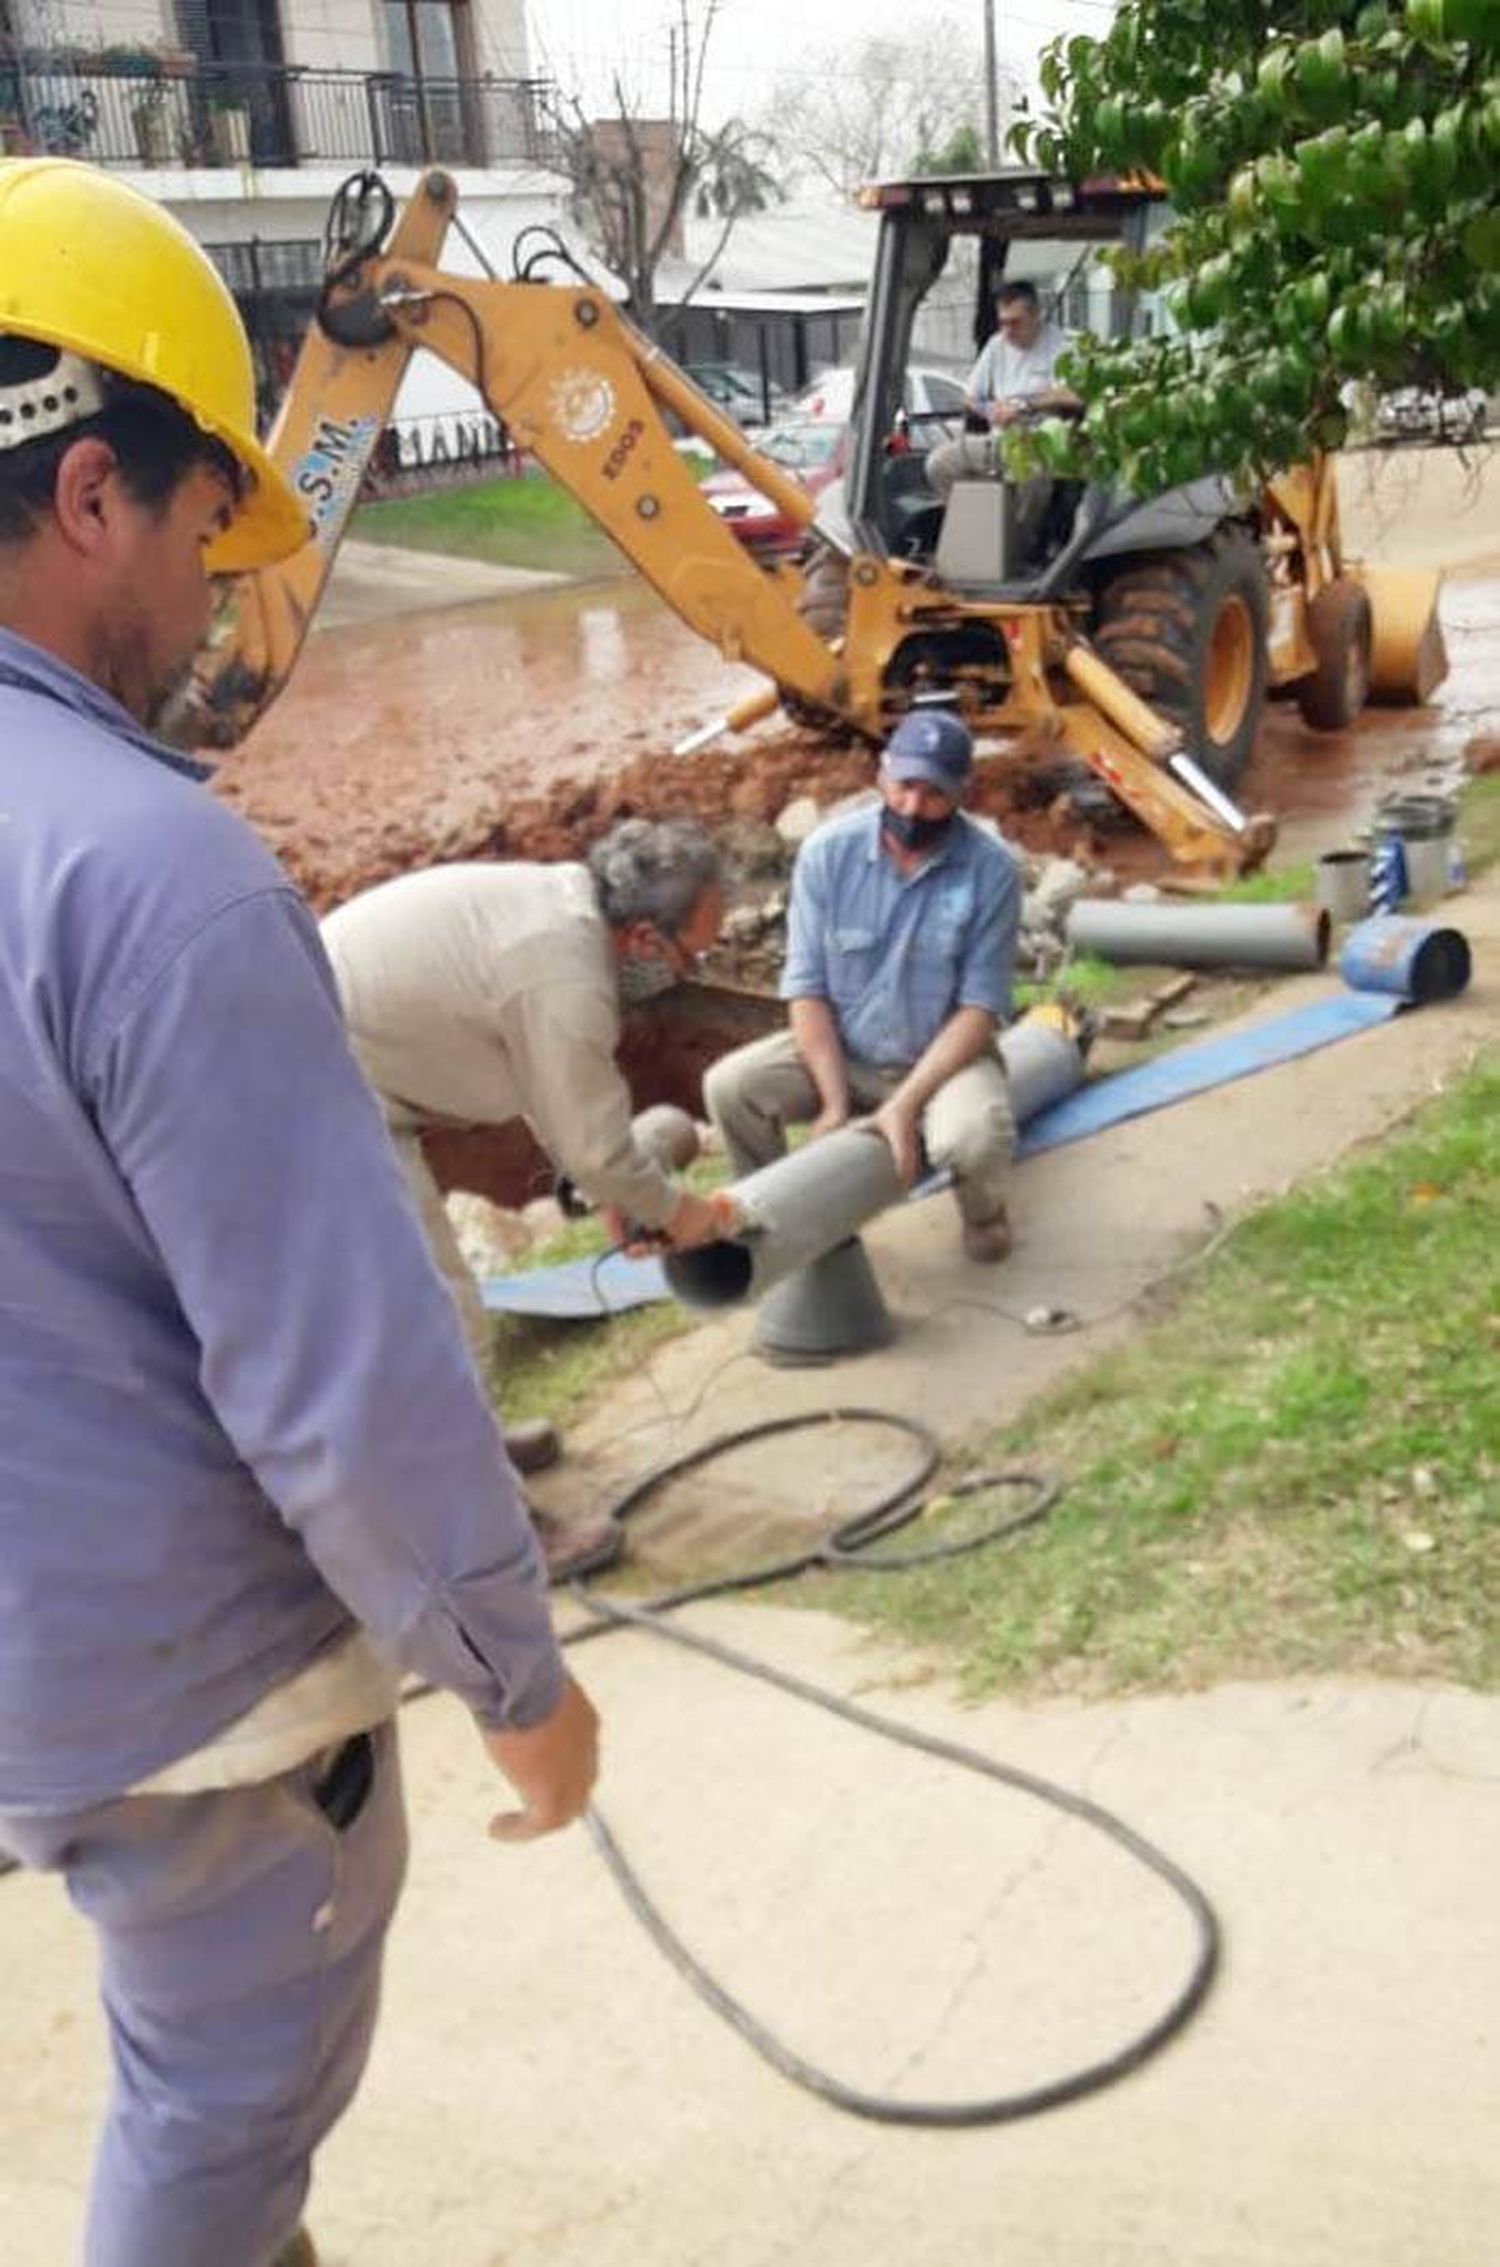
652,870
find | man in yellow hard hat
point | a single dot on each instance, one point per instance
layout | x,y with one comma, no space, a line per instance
247,1474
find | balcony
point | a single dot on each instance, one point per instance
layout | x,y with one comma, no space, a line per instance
173,112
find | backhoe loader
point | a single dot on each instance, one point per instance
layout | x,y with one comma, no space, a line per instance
1140,641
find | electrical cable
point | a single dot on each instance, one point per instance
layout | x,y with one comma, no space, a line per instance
847,1549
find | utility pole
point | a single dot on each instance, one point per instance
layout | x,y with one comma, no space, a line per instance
991,91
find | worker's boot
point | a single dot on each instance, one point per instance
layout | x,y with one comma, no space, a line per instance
298,2253
989,1239
572,1547
532,1446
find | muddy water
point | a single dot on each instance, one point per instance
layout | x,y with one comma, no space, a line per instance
448,733
1323,786
524,725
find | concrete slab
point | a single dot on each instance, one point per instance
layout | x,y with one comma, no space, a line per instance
545,2093
377,582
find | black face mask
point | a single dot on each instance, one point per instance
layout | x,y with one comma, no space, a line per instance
913,833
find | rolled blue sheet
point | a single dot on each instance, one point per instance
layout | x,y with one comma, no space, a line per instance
1415,960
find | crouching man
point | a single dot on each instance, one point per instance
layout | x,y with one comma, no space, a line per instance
478,993
901,945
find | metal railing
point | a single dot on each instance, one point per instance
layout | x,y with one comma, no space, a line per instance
66,104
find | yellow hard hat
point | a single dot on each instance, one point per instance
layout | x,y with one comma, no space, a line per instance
93,267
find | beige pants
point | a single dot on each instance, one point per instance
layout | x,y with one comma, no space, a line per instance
454,1268
967,1129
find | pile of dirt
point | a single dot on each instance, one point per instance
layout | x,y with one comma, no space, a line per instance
338,835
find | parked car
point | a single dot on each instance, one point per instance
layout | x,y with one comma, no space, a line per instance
811,450
933,402
1414,414
739,393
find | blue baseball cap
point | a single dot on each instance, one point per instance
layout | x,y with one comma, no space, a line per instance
930,744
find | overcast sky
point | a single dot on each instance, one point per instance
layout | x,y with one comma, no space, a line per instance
756,40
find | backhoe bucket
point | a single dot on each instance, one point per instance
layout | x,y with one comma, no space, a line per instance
1408,660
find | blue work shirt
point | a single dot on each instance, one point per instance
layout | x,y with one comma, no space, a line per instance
236,1409
895,955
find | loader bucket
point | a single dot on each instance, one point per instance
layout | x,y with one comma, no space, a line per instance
1408,660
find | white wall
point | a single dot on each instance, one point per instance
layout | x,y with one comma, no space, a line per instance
79,23
501,43
334,35
325,35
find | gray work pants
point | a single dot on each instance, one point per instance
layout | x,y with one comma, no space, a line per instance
240,1938
973,456
967,1129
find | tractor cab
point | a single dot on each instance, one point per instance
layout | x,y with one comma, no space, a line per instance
945,246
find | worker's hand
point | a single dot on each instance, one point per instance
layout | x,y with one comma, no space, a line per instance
829,1119
694,1222
1005,412
896,1122
552,1766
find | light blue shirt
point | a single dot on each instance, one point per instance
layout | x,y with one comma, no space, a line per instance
236,1409
895,955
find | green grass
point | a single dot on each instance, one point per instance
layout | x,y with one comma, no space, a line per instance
1278,885
529,522
1299,1472
1479,822
1083,983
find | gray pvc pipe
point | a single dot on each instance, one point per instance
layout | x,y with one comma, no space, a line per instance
1042,1064
1201,936
799,1208
793,1212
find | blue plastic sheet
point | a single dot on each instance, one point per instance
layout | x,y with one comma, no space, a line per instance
580,1290
1212,1062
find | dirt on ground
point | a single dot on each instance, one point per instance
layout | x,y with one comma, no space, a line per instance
524,725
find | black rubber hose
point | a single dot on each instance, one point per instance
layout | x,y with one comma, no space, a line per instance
847,1548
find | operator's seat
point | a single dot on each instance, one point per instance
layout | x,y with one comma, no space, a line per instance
999,534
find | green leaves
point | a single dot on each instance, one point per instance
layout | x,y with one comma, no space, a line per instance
1334,168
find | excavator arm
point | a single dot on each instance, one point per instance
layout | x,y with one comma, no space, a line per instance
589,396
578,386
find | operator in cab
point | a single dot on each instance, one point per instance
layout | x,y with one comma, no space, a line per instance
1015,376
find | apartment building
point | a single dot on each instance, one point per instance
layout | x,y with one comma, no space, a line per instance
243,117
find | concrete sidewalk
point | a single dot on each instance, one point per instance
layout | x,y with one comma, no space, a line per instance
545,2093
377,582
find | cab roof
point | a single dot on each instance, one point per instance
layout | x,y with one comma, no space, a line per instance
1014,199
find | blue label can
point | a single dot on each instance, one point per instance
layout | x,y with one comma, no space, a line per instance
1387,874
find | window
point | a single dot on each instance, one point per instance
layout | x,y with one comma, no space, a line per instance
424,38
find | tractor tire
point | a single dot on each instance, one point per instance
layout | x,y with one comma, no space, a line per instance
1187,631
1339,630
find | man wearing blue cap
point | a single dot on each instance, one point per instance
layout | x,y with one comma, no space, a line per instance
900,949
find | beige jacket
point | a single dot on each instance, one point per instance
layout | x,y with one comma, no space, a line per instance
478,993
